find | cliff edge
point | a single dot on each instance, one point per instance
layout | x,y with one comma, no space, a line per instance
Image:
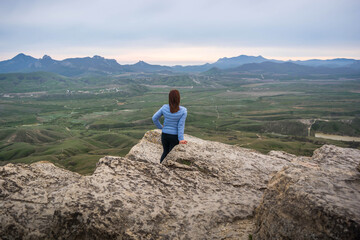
203,190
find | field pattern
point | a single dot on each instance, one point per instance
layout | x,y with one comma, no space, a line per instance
73,122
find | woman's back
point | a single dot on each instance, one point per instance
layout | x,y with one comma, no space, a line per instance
173,122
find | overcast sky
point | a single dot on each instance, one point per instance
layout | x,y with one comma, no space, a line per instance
180,31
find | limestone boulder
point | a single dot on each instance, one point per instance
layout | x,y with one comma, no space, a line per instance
204,190
314,199
234,165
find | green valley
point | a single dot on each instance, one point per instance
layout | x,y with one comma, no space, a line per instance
74,121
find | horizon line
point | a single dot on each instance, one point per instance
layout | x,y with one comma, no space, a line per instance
186,62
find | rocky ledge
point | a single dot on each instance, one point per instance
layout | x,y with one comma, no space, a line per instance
203,190
316,198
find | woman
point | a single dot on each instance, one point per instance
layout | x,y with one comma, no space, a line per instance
174,123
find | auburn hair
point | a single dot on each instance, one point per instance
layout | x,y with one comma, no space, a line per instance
174,101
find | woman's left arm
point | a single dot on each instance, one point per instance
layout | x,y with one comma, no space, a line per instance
181,125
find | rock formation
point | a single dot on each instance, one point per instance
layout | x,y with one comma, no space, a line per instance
318,198
203,190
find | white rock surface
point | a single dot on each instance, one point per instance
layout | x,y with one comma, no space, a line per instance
314,199
203,190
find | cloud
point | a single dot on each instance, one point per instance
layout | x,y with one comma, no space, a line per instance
42,25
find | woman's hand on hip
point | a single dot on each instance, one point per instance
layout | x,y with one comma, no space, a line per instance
183,142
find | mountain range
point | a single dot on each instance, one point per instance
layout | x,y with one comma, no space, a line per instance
100,65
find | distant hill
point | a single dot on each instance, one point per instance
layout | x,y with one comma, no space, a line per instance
19,63
213,71
291,68
74,66
192,68
224,63
95,64
22,63
234,62
331,63
67,67
142,66
99,65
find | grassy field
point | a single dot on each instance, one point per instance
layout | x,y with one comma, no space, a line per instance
74,122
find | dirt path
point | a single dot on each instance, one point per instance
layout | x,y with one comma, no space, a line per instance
195,81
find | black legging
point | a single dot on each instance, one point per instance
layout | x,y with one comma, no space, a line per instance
169,141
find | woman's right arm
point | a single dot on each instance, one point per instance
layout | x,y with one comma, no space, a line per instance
156,118
181,126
